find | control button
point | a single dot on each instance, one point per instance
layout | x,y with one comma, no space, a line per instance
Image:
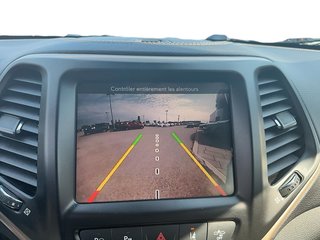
9,199
221,230
96,234
290,185
285,120
166,232
197,231
126,233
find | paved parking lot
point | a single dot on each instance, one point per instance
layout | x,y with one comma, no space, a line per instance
157,166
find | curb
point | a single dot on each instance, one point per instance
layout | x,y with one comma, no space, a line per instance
204,162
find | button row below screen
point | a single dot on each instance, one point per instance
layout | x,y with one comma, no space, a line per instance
222,230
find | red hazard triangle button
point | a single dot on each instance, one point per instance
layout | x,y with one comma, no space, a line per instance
161,237
165,232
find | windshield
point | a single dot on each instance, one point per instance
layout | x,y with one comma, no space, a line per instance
264,21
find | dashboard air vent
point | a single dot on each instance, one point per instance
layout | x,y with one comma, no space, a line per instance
19,120
283,130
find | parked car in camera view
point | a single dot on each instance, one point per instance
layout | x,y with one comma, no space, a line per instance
95,128
128,125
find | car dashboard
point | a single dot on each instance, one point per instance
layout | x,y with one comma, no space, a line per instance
191,140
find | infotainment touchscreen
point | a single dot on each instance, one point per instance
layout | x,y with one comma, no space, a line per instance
152,141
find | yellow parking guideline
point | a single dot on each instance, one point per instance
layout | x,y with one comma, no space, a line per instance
114,169
215,184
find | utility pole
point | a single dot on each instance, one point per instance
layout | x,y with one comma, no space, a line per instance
112,121
166,116
107,113
178,118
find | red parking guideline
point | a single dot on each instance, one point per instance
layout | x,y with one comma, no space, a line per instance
93,196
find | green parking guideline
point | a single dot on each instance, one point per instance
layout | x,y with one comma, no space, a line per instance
137,139
175,136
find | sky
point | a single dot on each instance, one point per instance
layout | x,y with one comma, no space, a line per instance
92,108
262,20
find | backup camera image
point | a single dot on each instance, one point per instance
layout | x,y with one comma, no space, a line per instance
153,143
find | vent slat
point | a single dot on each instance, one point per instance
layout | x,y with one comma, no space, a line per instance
18,148
18,174
266,81
282,152
281,164
282,141
274,133
28,100
268,123
18,162
21,97
29,91
283,146
20,111
28,80
31,127
275,109
269,89
28,139
271,99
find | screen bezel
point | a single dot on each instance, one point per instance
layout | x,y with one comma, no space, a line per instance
135,213
95,87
